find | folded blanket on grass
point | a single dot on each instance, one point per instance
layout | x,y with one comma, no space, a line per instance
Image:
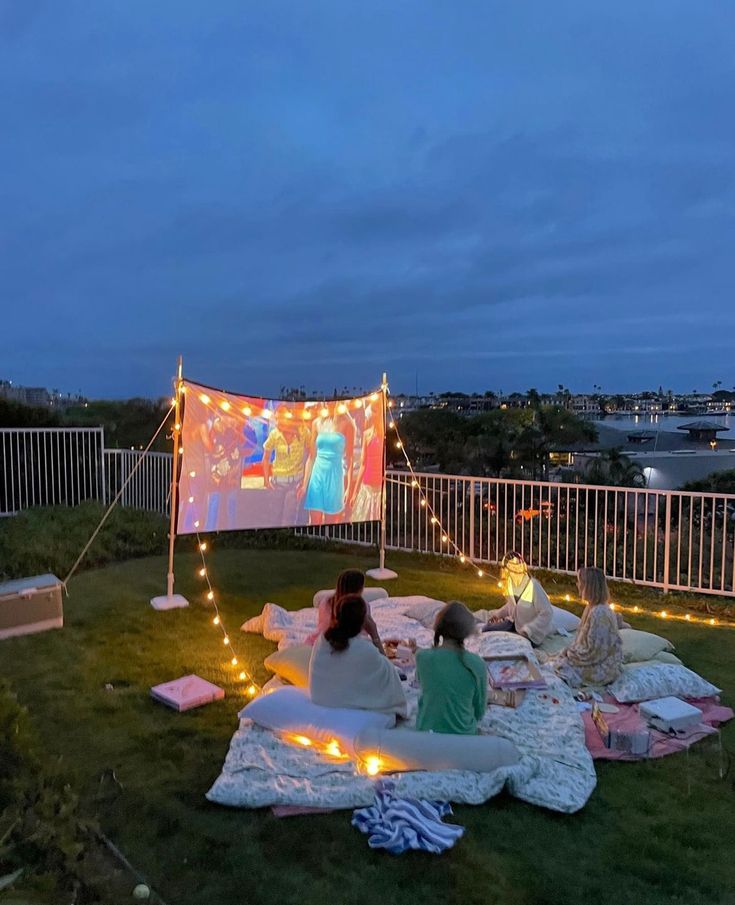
400,824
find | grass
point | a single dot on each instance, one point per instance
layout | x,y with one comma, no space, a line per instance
642,838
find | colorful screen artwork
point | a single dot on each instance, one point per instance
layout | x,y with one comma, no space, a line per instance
249,462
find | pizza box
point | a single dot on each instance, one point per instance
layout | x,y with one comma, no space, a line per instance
513,672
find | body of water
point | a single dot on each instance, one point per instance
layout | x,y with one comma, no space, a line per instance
665,422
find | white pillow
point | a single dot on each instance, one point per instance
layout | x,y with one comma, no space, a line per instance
425,613
408,749
563,622
289,710
659,680
368,595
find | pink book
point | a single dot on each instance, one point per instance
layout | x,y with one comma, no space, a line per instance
187,692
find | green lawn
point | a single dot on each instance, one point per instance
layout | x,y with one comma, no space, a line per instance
640,839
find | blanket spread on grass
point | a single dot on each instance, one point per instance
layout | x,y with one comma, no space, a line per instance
556,770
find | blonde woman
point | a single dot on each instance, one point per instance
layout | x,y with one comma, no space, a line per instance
595,656
527,610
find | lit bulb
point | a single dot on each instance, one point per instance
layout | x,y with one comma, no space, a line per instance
688,617
423,502
243,676
289,414
444,538
480,573
306,415
215,621
567,598
234,661
357,403
252,690
663,614
246,410
210,595
203,546
434,520
462,558
301,739
333,749
191,499
342,408
224,405
324,412
500,584
414,483
392,425
390,403
192,474
225,640
636,608
205,399
372,766
196,524
173,401
202,572
177,426
612,606
181,450
374,397
398,444
712,622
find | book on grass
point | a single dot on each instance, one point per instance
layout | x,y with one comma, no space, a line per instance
187,692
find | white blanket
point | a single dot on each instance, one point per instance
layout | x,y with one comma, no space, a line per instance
555,772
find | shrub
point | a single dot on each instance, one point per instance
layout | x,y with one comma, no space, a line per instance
50,539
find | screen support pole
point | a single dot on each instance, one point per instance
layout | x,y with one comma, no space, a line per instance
381,573
172,601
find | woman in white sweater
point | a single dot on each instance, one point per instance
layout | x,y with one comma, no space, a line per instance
527,610
347,670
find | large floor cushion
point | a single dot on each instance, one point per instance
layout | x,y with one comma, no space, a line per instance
563,621
290,712
408,749
659,680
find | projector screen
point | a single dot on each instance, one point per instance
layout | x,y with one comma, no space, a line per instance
249,462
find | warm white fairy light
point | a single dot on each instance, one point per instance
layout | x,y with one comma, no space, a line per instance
251,687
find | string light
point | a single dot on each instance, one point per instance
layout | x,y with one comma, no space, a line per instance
251,687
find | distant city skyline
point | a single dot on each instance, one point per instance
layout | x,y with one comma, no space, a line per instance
493,195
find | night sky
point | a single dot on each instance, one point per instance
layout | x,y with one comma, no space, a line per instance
478,195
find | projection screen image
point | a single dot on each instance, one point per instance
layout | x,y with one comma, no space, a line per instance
264,463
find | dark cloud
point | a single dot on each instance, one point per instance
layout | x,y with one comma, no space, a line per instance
498,195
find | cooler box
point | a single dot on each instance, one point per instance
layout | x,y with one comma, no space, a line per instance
29,605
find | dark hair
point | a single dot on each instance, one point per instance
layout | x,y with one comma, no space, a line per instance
455,622
350,581
348,619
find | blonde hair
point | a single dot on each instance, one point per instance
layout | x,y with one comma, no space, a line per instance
593,586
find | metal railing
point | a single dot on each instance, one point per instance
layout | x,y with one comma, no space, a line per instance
670,539
150,485
50,467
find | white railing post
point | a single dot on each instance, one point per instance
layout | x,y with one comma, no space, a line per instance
667,542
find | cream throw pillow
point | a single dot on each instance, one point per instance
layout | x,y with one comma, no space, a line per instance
291,664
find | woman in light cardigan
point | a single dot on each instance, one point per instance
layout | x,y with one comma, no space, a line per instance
347,670
527,610
595,656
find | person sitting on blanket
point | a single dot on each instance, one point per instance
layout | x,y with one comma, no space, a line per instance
346,669
527,610
453,680
595,656
350,581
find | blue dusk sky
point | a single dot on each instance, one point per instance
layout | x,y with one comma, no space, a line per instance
475,195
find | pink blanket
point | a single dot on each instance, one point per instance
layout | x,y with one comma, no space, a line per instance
628,718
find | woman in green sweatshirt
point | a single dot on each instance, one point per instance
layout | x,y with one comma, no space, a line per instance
453,680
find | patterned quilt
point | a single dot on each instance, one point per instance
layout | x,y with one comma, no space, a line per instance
556,770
